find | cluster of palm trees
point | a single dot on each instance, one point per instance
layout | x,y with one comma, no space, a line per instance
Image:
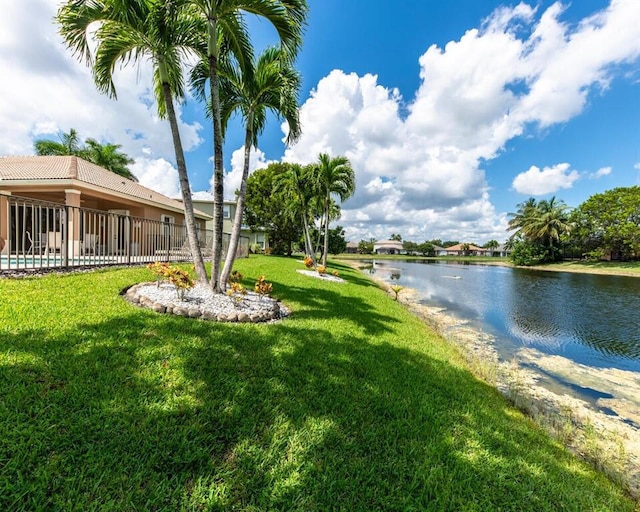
212,36
106,155
311,193
540,227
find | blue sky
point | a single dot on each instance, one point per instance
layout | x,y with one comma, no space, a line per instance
450,112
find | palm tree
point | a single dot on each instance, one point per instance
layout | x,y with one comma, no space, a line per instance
227,32
108,156
521,220
543,223
492,245
551,223
334,177
298,187
166,32
273,85
69,145
104,155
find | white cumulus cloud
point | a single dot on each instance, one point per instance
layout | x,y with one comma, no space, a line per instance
57,93
603,171
539,182
157,174
523,69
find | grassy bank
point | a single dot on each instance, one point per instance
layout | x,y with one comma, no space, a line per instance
618,268
349,404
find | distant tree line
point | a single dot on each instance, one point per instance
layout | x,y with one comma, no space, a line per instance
426,248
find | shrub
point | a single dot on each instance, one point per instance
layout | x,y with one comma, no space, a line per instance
236,292
308,261
159,269
262,287
176,276
527,254
236,277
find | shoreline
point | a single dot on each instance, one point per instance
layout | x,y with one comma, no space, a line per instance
609,443
573,266
579,268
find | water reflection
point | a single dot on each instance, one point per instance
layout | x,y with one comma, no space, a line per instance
591,319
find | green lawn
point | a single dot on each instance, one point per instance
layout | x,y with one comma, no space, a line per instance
350,404
630,268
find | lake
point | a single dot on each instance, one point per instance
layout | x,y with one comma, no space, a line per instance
592,320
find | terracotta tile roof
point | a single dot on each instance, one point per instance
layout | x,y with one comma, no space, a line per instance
458,247
70,167
388,243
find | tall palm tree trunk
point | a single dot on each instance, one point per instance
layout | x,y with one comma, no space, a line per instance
237,219
189,215
307,240
218,173
319,238
326,232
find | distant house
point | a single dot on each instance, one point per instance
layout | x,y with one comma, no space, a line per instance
258,239
439,251
501,251
471,250
352,248
387,247
87,205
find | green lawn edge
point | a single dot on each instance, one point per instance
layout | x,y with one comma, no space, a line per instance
352,404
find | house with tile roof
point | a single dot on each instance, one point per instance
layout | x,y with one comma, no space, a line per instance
68,189
463,249
387,247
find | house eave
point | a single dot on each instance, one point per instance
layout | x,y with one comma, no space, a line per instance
83,185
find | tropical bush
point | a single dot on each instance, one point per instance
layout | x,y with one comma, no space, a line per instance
176,276
262,287
526,254
237,293
236,277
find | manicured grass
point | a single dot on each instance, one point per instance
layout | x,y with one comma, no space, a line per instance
350,404
628,268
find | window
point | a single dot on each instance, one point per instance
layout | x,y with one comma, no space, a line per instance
226,211
260,240
167,221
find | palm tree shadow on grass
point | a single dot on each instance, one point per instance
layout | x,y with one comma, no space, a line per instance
326,304
163,412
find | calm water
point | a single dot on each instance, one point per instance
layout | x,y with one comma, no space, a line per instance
590,319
